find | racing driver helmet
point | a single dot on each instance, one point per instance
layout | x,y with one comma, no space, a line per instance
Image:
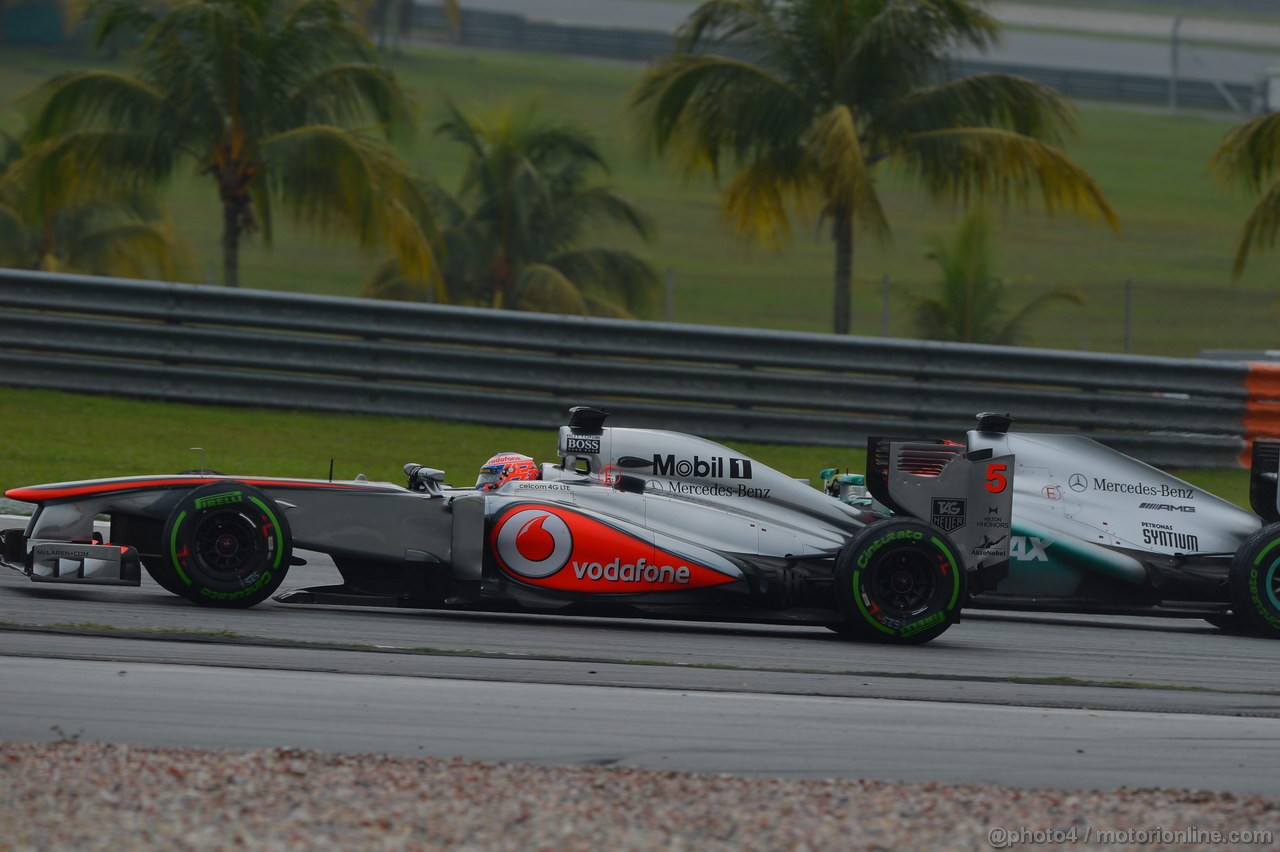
504,468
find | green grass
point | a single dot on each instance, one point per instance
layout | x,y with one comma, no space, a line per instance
50,436
1179,228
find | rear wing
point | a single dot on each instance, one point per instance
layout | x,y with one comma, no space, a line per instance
967,495
1264,470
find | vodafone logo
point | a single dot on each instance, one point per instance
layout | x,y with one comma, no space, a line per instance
569,551
533,542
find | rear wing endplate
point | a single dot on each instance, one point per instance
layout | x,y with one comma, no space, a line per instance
1264,470
969,496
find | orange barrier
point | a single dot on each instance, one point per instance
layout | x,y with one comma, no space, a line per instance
1262,405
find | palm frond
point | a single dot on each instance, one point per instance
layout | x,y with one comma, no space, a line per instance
875,53
758,198
600,204
843,170
341,183
612,275
79,168
1250,153
1013,327
985,100
720,22
969,305
525,206
1260,228
90,99
131,250
982,163
351,96
389,282
701,108
114,16
543,288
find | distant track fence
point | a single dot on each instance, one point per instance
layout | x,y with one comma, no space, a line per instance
504,31
222,346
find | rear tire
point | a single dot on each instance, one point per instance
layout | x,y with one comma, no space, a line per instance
899,581
1255,583
227,544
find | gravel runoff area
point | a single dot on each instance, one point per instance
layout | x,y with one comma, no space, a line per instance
86,796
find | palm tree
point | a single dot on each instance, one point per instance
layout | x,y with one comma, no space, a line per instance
392,20
1250,155
969,307
514,233
271,100
48,223
808,97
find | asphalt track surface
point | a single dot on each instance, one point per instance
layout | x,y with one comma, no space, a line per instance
1060,701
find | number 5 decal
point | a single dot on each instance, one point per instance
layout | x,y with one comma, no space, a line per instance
996,479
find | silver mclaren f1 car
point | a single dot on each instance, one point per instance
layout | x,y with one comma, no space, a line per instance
630,522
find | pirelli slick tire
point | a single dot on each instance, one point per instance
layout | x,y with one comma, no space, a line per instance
228,545
1255,583
161,570
899,581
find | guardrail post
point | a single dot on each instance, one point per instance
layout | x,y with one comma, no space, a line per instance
884,305
1128,315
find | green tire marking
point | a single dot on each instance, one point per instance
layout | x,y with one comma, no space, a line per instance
1269,580
924,624
1257,560
173,549
857,597
275,524
955,586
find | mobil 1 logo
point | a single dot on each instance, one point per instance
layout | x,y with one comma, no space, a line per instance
948,513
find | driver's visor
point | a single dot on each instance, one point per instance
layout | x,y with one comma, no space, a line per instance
490,474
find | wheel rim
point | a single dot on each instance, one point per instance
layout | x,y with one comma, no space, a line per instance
1272,582
227,545
904,584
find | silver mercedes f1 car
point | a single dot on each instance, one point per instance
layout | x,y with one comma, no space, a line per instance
1097,531
635,522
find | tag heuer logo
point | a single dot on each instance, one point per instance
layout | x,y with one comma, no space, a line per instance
948,513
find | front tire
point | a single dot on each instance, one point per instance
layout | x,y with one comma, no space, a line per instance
1255,583
899,581
227,544
161,570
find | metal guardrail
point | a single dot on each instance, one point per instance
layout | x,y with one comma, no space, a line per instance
504,31
244,347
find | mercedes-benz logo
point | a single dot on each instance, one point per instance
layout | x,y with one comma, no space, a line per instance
1078,482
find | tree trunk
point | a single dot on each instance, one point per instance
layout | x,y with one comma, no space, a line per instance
230,244
842,234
